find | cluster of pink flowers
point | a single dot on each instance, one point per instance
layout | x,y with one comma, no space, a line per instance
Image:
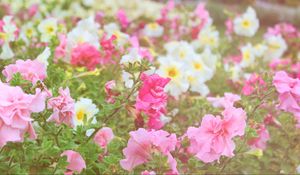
253,83
76,162
15,112
108,49
286,64
284,29
260,142
214,136
289,93
31,70
142,144
63,108
152,99
85,55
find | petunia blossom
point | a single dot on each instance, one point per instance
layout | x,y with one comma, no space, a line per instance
76,162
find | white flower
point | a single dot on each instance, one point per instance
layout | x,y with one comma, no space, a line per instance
153,30
47,28
276,47
114,29
260,49
6,51
85,108
247,24
27,32
208,37
127,79
43,57
209,59
248,55
132,57
8,35
180,50
176,72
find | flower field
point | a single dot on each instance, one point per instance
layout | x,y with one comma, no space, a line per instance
147,87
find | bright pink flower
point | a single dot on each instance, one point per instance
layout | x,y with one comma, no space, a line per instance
85,55
214,137
143,143
15,111
227,101
108,49
261,141
63,108
103,137
152,99
31,70
122,17
254,82
32,10
76,162
60,50
229,27
109,86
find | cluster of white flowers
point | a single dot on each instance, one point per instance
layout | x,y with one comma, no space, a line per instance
186,68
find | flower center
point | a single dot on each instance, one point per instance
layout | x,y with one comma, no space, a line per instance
172,72
246,23
198,66
80,114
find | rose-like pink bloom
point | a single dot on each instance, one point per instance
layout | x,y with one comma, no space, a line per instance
289,93
122,18
143,143
85,55
152,99
255,81
146,172
15,111
108,49
60,50
227,101
31,70
76,162
109,86
261,141
103,137
214,137
63,108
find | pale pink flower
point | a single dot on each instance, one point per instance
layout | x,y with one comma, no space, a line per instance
146,172
31,70
152,99
214,137
229,26
85,55
63,108
15,113
227,101
109,86
254,82
60,50
76,162
122,18
260,142
103,137
143,143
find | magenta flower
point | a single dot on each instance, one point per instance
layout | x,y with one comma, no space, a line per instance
214,137
63,108
152,99
85,55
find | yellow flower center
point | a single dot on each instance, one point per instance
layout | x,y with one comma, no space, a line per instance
29,32
153,26
182,54
3,36
246,23
80,114
198,66
50,29
246,55
173,72
274,46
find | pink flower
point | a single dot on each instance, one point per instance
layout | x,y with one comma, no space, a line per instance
103,137
289,93
214,137
152,99
108,49
85,55
254,82
229,27
15,111
144,52
60,50
76,162
146,172
109,86
261,141
31,70
227,101
63,108
143,143
121,16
